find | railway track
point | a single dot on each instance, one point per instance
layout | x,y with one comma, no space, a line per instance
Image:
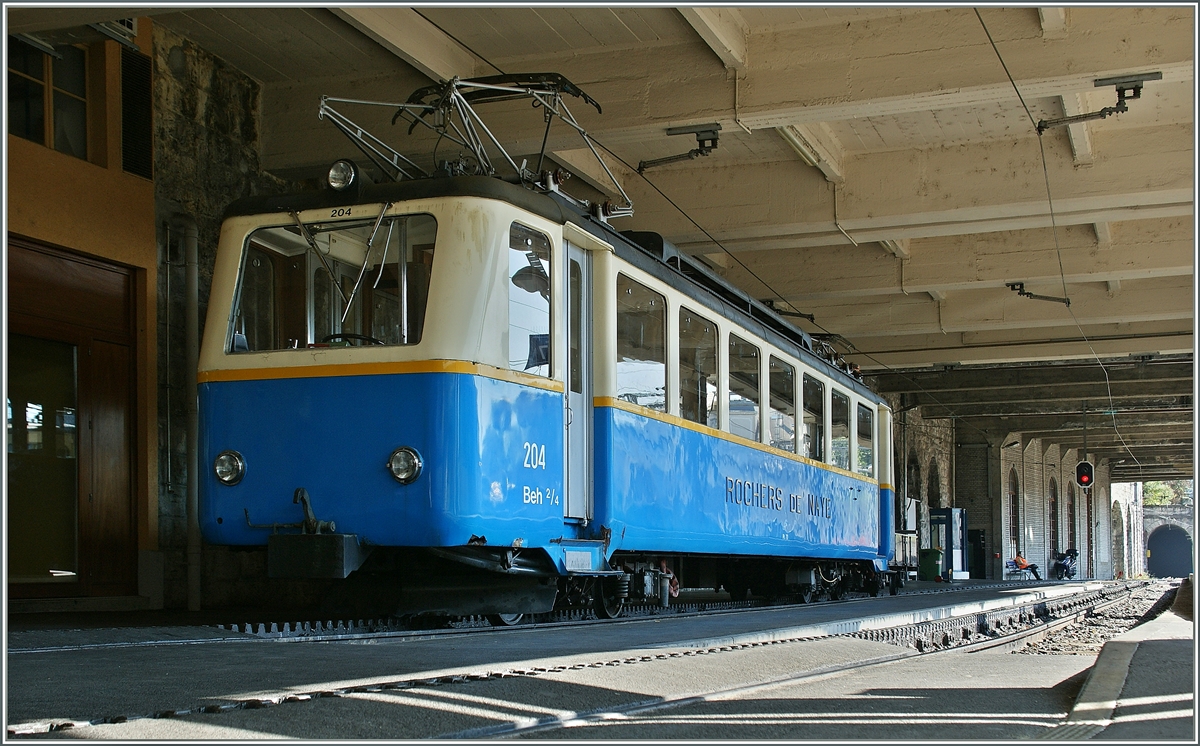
342,629
1012,627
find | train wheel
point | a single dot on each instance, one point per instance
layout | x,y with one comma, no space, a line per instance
835,591
607,607
873,587
505,620
607,602
807,595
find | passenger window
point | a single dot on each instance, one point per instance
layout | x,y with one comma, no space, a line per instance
529,288
813,441
783,405
743,388
641,345
865,463
840,430
697,368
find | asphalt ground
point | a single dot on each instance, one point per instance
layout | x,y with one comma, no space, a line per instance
598,668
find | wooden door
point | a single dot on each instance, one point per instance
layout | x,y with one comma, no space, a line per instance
71,425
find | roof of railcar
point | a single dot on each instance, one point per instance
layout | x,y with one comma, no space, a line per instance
560,212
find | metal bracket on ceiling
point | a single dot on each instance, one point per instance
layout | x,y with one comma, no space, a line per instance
1019,287
1128,87
706,142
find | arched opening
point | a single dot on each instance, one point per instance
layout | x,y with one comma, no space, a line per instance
1014,512
1118,541
934,489
1052,517
1169,552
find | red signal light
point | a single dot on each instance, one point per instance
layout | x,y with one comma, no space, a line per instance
1083,474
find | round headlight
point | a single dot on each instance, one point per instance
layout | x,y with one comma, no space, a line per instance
404,464
230,467
342,174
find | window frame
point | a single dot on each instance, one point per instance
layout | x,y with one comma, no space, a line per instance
49,92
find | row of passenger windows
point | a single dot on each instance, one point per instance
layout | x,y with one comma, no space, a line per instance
642,380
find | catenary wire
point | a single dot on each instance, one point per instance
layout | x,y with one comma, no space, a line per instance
1057,249
846,342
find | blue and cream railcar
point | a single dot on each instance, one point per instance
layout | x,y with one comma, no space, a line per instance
459,373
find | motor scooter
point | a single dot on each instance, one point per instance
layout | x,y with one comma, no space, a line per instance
1065,565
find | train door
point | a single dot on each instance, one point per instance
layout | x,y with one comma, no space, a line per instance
578,503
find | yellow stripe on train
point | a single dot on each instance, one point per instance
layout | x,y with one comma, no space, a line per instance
379,369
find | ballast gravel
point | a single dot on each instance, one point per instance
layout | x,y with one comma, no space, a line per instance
1089,635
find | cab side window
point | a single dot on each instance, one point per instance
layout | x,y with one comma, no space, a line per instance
529,290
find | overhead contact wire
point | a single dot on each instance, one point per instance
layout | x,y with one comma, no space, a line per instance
1057,249
846,342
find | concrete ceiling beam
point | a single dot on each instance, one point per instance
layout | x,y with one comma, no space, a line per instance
864,70
818,147
982,379
723,30
1054,426
405,33
1060,397
988,309
1081,139
1054,22
981,187
1023,345
991,403
1144,248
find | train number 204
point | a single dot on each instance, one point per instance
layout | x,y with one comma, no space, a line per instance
535,456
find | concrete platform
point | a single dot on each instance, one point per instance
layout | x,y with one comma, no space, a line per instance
1142,686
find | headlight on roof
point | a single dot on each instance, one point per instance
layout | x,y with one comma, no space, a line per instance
342,174
405,464
230,467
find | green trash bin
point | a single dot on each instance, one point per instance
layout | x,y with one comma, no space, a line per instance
929,564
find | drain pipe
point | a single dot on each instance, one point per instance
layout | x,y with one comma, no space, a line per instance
192,328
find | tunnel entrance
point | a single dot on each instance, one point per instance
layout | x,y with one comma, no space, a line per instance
1169,552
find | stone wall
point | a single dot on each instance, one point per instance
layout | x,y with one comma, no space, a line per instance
923,466
206,138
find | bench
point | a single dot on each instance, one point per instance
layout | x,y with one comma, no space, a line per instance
1011,570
